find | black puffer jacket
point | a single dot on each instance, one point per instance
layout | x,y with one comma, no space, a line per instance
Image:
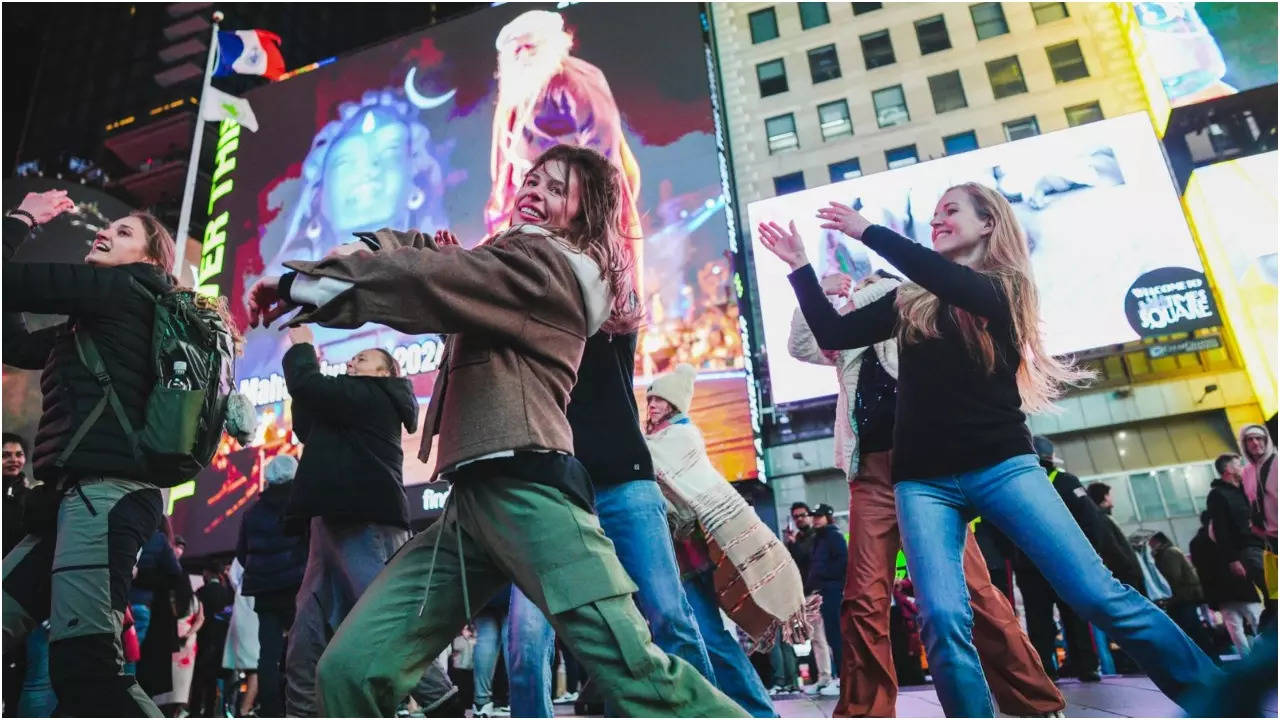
352,462
273,560
106,302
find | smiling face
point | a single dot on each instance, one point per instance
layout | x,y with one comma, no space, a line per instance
366,173
14,459
123,242
548,197
368,363
958,230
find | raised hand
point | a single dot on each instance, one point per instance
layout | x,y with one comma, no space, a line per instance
837,284
843,218
444,238
265,303
302,334
785,243
45,206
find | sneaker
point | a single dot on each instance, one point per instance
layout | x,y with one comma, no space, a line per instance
776,690
566,699
831,689
482,711
502,711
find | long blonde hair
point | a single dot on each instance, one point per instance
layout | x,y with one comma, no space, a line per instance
1005,259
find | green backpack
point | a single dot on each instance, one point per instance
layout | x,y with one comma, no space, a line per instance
193,359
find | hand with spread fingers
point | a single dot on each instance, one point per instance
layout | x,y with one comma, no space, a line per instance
444,238
41,207
785,243
265,303
843,218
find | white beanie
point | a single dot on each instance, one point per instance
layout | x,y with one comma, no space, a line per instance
281,469
676,387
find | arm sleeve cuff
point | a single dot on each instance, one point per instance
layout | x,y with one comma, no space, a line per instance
313,291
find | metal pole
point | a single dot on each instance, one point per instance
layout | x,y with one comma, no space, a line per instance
193,164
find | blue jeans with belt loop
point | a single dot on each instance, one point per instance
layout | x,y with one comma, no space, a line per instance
1016,495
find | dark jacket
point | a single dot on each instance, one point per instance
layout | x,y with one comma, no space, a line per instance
1230,516
158,570
830,557
1119,556
602,412
15,495
802,551
273,560
1182,577
106,303
1216,579
1083,511
352,462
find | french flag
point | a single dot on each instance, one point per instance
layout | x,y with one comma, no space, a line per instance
249,52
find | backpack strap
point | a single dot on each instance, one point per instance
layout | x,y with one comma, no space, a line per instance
87,349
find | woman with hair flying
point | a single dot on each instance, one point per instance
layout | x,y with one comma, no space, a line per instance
971,362
518,311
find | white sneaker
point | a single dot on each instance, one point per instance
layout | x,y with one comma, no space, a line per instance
775,691
814,688
566,699
482,711
502,711
831,689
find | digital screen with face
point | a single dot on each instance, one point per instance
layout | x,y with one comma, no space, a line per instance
436,130
1096,202
1207,50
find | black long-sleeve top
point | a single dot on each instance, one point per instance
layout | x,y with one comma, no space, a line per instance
954,413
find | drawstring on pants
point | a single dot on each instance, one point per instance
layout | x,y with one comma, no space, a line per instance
462,563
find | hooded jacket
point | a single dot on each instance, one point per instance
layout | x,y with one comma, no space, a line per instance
1230,525
1216,579
802,346
352,461
273,560
518,311
1251,483
827,566
104,301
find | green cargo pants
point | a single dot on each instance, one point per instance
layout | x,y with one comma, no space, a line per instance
499,528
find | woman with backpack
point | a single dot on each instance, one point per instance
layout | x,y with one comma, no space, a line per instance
971,360
99,503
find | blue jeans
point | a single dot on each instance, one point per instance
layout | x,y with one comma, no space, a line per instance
37,699
634,516
141,622
1017,497
489,632
735,675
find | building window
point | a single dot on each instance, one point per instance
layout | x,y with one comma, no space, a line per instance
1006,77
891,106
813,14
764,25
845,169
1021,128
1048,12
988,20
781,131
960,142
772,77
932,35
859,8
784,184
823,64
947,91
877,49
1083,114
901,156
1067,62
833,119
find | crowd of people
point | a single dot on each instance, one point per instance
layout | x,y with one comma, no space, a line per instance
579,535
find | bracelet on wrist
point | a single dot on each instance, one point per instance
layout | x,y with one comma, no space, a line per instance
19,211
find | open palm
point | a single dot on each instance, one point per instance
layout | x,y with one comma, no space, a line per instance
784,242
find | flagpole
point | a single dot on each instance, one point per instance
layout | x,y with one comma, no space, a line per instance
193,164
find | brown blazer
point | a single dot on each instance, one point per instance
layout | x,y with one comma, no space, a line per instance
518,312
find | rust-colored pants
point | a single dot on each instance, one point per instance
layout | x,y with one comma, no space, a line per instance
868,683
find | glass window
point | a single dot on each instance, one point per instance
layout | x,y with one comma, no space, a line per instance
790,183
1146,496
1048,12
1083,114
1006,77
781,131
833,119
988,20
1067,62
859,8
877,49
947,91
764,25
1177,496
960,142
772,77
823,64
813,14
901,156
845,169
932,35
1021,128
891,106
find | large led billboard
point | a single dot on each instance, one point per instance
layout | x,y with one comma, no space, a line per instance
434,130
1233,208
1112,254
